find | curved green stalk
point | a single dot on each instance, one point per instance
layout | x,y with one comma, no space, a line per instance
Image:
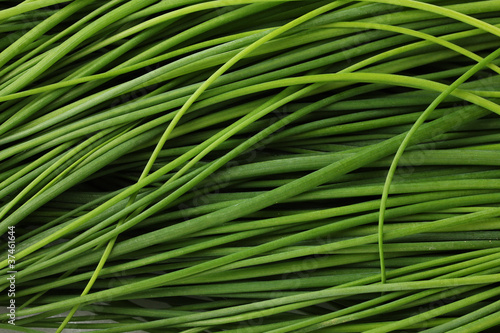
392,170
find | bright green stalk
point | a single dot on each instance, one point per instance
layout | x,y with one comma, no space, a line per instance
406,141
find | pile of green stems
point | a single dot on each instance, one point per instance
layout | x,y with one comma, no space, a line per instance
208,166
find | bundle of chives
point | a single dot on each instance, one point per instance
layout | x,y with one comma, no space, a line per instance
250,166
